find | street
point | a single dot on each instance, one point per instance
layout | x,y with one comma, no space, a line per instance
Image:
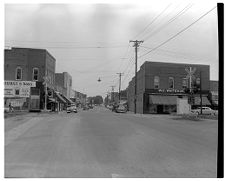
101,143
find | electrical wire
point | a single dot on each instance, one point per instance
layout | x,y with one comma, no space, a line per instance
152,22
178,33
180,13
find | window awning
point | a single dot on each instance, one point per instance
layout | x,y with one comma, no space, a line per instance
163,100
61,99
205,101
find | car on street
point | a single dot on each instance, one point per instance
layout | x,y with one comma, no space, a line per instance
86,107
205,110
120,109
72,109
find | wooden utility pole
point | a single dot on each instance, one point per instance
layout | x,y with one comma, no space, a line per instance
200,91
112,92
119,91
136,45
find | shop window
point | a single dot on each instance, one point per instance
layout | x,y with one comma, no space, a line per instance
171,82
156,82
18,73
35,74
185,83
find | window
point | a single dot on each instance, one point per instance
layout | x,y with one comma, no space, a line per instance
171,82
184,83
17,92
156,82
198,81
18,73
35,73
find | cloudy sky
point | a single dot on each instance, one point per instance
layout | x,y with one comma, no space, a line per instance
92,40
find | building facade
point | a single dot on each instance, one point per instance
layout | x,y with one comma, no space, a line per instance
214,93
28,64
160,84
64,81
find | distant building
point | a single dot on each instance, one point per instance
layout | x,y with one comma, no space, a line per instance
214,93
64,83
28,64
160,84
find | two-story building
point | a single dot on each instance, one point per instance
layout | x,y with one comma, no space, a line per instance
29,64
160,84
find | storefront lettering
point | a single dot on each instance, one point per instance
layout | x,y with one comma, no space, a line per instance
170,91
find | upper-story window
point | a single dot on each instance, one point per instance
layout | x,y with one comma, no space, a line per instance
18,73
185,83
171,82
156,82
198,81
35,74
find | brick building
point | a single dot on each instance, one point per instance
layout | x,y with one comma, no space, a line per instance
160,84
214,93
64,82
28,64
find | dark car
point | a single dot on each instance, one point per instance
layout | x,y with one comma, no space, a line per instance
85,108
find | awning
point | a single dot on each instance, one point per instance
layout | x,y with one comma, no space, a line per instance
51,99
163,100
205,101
68,100
60,98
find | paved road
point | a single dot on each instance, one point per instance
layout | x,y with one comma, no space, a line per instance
100,143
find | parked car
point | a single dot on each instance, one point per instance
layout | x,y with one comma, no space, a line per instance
72,109
90,107
205,110
120,109
85,108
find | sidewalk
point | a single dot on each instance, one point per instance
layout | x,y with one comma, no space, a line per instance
17,118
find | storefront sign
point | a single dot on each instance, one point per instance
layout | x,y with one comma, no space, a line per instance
18,88
170,91
9,93
166,91
9,83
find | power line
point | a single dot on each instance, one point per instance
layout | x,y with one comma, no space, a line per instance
180,13
70,47
152,22
178,33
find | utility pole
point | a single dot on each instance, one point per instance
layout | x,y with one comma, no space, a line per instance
200,91
136,45
112,92
119,91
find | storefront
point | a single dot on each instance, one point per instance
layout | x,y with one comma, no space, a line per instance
17,94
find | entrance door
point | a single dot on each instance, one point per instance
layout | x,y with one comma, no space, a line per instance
159,109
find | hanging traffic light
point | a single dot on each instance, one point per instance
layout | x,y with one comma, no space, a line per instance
99,79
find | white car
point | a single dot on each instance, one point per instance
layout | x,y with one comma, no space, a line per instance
72,109
121,109
205,110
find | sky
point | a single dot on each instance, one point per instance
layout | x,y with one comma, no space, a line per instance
91,41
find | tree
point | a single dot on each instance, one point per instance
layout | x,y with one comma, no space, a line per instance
98,100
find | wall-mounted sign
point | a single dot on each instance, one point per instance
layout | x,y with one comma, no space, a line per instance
171,91
11,84
18,88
